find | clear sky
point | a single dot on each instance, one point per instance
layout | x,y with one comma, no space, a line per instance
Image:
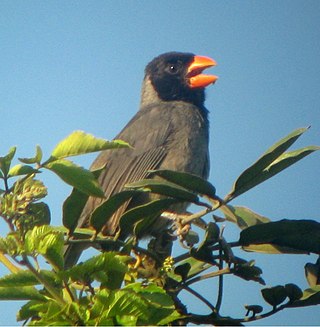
69,65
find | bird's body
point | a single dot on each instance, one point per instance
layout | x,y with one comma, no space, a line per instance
170,131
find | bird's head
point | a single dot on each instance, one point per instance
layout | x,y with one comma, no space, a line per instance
177,76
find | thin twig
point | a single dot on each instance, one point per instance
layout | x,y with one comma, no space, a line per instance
220,283
209,275
200,297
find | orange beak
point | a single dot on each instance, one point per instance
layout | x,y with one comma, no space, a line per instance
195,78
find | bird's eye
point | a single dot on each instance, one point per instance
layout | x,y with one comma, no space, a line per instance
173,68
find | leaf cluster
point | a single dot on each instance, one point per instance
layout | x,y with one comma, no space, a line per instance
134,285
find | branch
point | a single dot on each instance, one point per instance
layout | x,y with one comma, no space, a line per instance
200,297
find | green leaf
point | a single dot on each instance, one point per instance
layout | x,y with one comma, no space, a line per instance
76,176
204,252
148,211
73,206
164,188
40,212
80,142
242,216
104,212
72,209
25,278
297,235
20,293
22,170
49,242
5,162
153,293
112,265
270,163
36,159
197,266
189,181
30,309
274,295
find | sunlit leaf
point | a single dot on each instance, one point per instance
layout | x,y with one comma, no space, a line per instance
312,272
80,142
113,265
20,293
242,216
25,278
47,241
5,162
36,159
21,170
76,176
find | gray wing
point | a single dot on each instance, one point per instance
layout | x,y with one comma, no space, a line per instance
149,143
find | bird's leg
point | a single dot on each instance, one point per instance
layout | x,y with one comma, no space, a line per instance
182,223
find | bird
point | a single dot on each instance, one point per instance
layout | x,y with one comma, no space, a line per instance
169,131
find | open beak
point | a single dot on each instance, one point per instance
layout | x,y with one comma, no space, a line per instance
194,76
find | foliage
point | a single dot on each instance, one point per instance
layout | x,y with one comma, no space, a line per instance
132,286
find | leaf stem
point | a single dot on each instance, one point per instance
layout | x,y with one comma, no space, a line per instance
43,281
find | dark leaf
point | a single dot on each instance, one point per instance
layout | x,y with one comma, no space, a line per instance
183,270
255,309
248,271
40,212
164,188
285,235
294,292
274,295
189,181
148,211
310,296
104,212
72,209
73,206
270,163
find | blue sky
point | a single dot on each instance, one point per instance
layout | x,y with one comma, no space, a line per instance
69,65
